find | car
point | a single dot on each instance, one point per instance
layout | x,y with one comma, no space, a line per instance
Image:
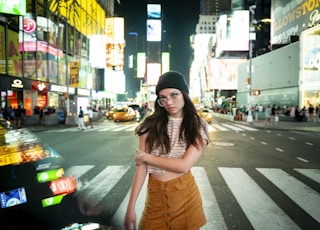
124,114
109,113
205,114
33,184
136,109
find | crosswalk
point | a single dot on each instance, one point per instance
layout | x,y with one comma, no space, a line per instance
130,127
258,205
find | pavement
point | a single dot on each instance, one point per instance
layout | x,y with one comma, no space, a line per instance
282,125
286,125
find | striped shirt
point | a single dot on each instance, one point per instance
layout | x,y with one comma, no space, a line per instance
178,146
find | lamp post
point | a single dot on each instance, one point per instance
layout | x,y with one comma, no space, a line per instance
252,36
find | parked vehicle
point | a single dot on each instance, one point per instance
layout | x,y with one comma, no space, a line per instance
32,180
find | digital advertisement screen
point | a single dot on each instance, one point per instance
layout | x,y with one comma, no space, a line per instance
154,30
154,11
16,7
13,197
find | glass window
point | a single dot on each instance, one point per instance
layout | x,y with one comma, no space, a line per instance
70,40
77,47
29,65
62,73
2,51
42,66
14,55
52,68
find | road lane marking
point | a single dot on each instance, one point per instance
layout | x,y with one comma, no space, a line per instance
246,127
213,214
313,174
302,195
219,127
232,127
260,209
301,159
118,218
210,204
78,170
102,184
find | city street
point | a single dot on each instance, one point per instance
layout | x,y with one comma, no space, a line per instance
249,177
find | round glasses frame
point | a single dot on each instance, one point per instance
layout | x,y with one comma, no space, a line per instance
162,101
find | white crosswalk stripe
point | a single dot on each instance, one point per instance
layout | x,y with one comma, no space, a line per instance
304,196
252,198
116,127
261,211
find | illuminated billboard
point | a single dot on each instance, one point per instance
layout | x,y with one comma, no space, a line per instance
224,73
141,64
154,30
115,43
16,7
154,11
290,18
165,60
233,31
153,73
97,56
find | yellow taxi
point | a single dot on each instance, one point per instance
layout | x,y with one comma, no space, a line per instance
124,114
110,113
205,114
32,179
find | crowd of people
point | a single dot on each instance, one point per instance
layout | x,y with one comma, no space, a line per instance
308,114
14,115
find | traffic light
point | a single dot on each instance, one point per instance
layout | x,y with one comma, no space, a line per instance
256,92
248,80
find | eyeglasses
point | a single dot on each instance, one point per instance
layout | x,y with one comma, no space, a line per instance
163,101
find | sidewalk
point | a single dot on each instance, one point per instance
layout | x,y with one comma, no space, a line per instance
286,125
41,127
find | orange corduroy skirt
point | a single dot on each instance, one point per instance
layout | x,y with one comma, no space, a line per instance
174,205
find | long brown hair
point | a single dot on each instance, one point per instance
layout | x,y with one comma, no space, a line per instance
155,126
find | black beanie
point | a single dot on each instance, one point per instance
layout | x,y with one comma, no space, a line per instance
172,79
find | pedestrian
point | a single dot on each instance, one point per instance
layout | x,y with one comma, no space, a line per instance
311,112
171,140
267,116
273,114
80,119
18,113
318,113
90,111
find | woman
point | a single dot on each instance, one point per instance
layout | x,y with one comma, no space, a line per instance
171,140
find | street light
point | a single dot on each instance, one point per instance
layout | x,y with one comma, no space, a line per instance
252,36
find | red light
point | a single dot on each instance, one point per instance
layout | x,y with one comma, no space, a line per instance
63,185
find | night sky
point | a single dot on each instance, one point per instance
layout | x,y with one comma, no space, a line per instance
180,19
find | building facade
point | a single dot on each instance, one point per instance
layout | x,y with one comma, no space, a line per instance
45,54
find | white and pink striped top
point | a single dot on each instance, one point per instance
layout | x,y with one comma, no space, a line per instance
178,147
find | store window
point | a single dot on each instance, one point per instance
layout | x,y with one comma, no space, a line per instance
2,51
14,55
30,65
61,65
70,40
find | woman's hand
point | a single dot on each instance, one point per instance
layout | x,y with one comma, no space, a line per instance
139,157
130,221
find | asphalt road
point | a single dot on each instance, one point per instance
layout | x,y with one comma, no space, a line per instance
250,177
